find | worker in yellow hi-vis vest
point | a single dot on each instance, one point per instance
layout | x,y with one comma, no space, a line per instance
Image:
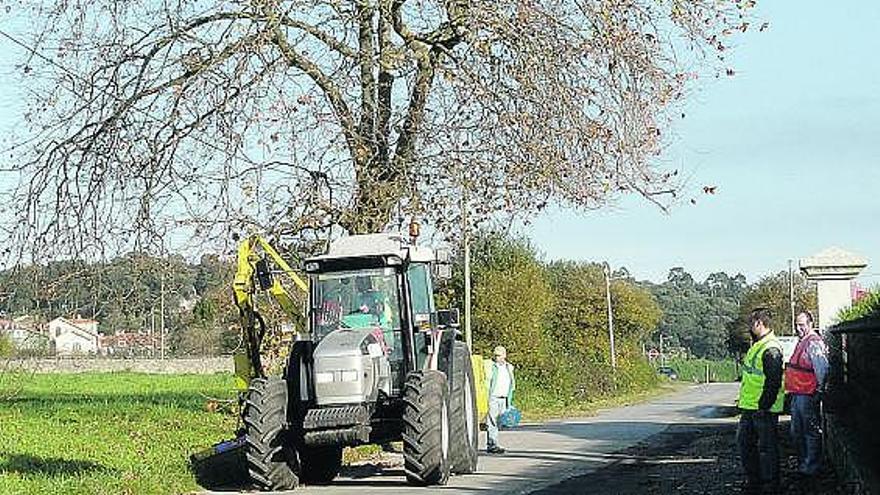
760,402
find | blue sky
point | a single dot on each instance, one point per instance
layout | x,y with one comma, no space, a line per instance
792,142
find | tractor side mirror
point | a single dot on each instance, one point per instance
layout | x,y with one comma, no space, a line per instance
442,256
264,275
443,272
447,318
442,265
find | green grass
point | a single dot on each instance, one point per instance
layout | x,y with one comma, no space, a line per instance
109,432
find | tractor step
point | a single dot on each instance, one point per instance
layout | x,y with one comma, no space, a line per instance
354,435
336,417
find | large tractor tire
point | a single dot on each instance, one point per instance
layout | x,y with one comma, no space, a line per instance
463,426
426,428
271,455
319,465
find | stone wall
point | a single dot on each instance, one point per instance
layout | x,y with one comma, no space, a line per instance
206,365
853,404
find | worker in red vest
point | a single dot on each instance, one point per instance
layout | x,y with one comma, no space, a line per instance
805,376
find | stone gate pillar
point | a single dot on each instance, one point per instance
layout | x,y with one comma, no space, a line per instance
833,270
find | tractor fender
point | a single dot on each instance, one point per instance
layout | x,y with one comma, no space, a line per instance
444,350
448,338
299,375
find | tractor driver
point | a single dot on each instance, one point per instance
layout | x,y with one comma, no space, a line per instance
374,302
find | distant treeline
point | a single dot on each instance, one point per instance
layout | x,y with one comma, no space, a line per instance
551,314
708,319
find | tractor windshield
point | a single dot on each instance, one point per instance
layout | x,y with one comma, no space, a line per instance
357,299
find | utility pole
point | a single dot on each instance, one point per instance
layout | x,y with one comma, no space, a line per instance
152,331
662,354
468,335
162,315
791,295
607,271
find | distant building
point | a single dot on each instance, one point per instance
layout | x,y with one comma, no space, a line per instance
74,336
857,292
25,334
128,344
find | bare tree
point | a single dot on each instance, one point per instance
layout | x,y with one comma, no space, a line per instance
207,116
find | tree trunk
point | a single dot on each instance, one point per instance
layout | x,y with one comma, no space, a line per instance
377,194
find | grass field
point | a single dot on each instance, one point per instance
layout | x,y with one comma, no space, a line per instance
116,433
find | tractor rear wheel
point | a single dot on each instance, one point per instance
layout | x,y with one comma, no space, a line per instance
426,428
462,411
271,455
319,465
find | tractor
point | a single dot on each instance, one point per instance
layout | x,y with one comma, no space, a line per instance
374,363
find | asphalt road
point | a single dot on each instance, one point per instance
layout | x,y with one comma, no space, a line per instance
542,455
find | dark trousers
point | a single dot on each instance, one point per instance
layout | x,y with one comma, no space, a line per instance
759,447
806,432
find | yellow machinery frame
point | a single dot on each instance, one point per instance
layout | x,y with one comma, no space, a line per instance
250,252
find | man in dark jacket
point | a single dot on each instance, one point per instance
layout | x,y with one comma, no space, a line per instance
760,402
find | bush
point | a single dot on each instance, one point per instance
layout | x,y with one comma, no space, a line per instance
553,320
866,306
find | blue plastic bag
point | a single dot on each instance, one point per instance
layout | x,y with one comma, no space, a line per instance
510,418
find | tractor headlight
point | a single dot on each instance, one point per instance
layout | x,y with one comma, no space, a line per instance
349,376
326,377
339,376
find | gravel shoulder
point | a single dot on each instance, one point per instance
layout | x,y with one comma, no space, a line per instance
690,459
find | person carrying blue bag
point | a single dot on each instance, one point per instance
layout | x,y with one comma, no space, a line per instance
502,383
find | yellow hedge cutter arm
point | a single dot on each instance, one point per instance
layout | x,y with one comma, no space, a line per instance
253,274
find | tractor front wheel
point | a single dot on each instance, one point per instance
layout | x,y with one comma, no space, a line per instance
271,454
426,428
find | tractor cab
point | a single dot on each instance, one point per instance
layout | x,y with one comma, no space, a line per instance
381,283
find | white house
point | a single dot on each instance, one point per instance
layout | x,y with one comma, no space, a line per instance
73,336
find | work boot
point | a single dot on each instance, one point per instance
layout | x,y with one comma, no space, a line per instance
772,487
750,487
